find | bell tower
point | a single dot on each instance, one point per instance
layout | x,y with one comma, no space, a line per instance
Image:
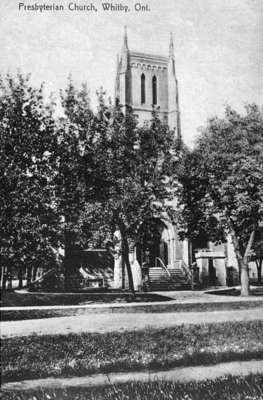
123,73
144,81
173,97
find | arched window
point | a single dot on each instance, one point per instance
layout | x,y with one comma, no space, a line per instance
143,89
154,85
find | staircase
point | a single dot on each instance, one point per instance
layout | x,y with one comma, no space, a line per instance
169,278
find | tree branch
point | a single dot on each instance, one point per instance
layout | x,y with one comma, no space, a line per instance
250,242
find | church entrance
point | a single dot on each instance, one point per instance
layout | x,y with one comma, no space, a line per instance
151,245
211,272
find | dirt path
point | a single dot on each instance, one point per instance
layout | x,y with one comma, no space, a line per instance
121,321
185,374
177,297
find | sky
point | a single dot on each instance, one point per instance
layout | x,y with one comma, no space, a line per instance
218,48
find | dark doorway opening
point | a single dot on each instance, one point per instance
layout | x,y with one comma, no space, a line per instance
211,272
150,244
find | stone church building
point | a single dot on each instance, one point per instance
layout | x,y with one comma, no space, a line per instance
147,80
142,81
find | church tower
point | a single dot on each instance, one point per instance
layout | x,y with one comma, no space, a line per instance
144,81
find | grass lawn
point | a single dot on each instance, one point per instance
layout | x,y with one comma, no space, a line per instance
256,291
80,354
16,299
229,388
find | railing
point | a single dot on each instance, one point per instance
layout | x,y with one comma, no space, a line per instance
164,267
187,271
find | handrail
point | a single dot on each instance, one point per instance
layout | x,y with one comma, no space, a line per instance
182,265
164,267
186,270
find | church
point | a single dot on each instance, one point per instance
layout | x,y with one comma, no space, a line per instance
147,80
142,81
159,260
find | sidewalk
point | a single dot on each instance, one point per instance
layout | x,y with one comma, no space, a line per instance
122,321
177,297
182,374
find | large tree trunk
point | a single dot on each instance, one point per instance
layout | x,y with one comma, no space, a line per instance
29,275
34,275
244,278
68,267
20,277
259,268
4,278
118,261
122,271
1,271
126,260
10,280
243,261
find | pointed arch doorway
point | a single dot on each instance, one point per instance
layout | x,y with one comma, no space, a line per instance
151,243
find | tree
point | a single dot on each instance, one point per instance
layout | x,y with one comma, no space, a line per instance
28,219
80,179
57,176
73,137
139,165
225,176
257,252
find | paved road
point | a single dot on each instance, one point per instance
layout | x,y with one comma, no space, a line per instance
121,321
180,374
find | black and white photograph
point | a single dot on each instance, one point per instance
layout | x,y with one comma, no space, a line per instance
131,199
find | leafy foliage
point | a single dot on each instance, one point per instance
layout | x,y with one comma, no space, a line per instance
28,232
139,165
223,182
70,182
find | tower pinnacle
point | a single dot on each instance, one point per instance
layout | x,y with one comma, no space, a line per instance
125,42
171,46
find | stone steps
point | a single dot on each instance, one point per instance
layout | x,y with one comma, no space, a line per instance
172,279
